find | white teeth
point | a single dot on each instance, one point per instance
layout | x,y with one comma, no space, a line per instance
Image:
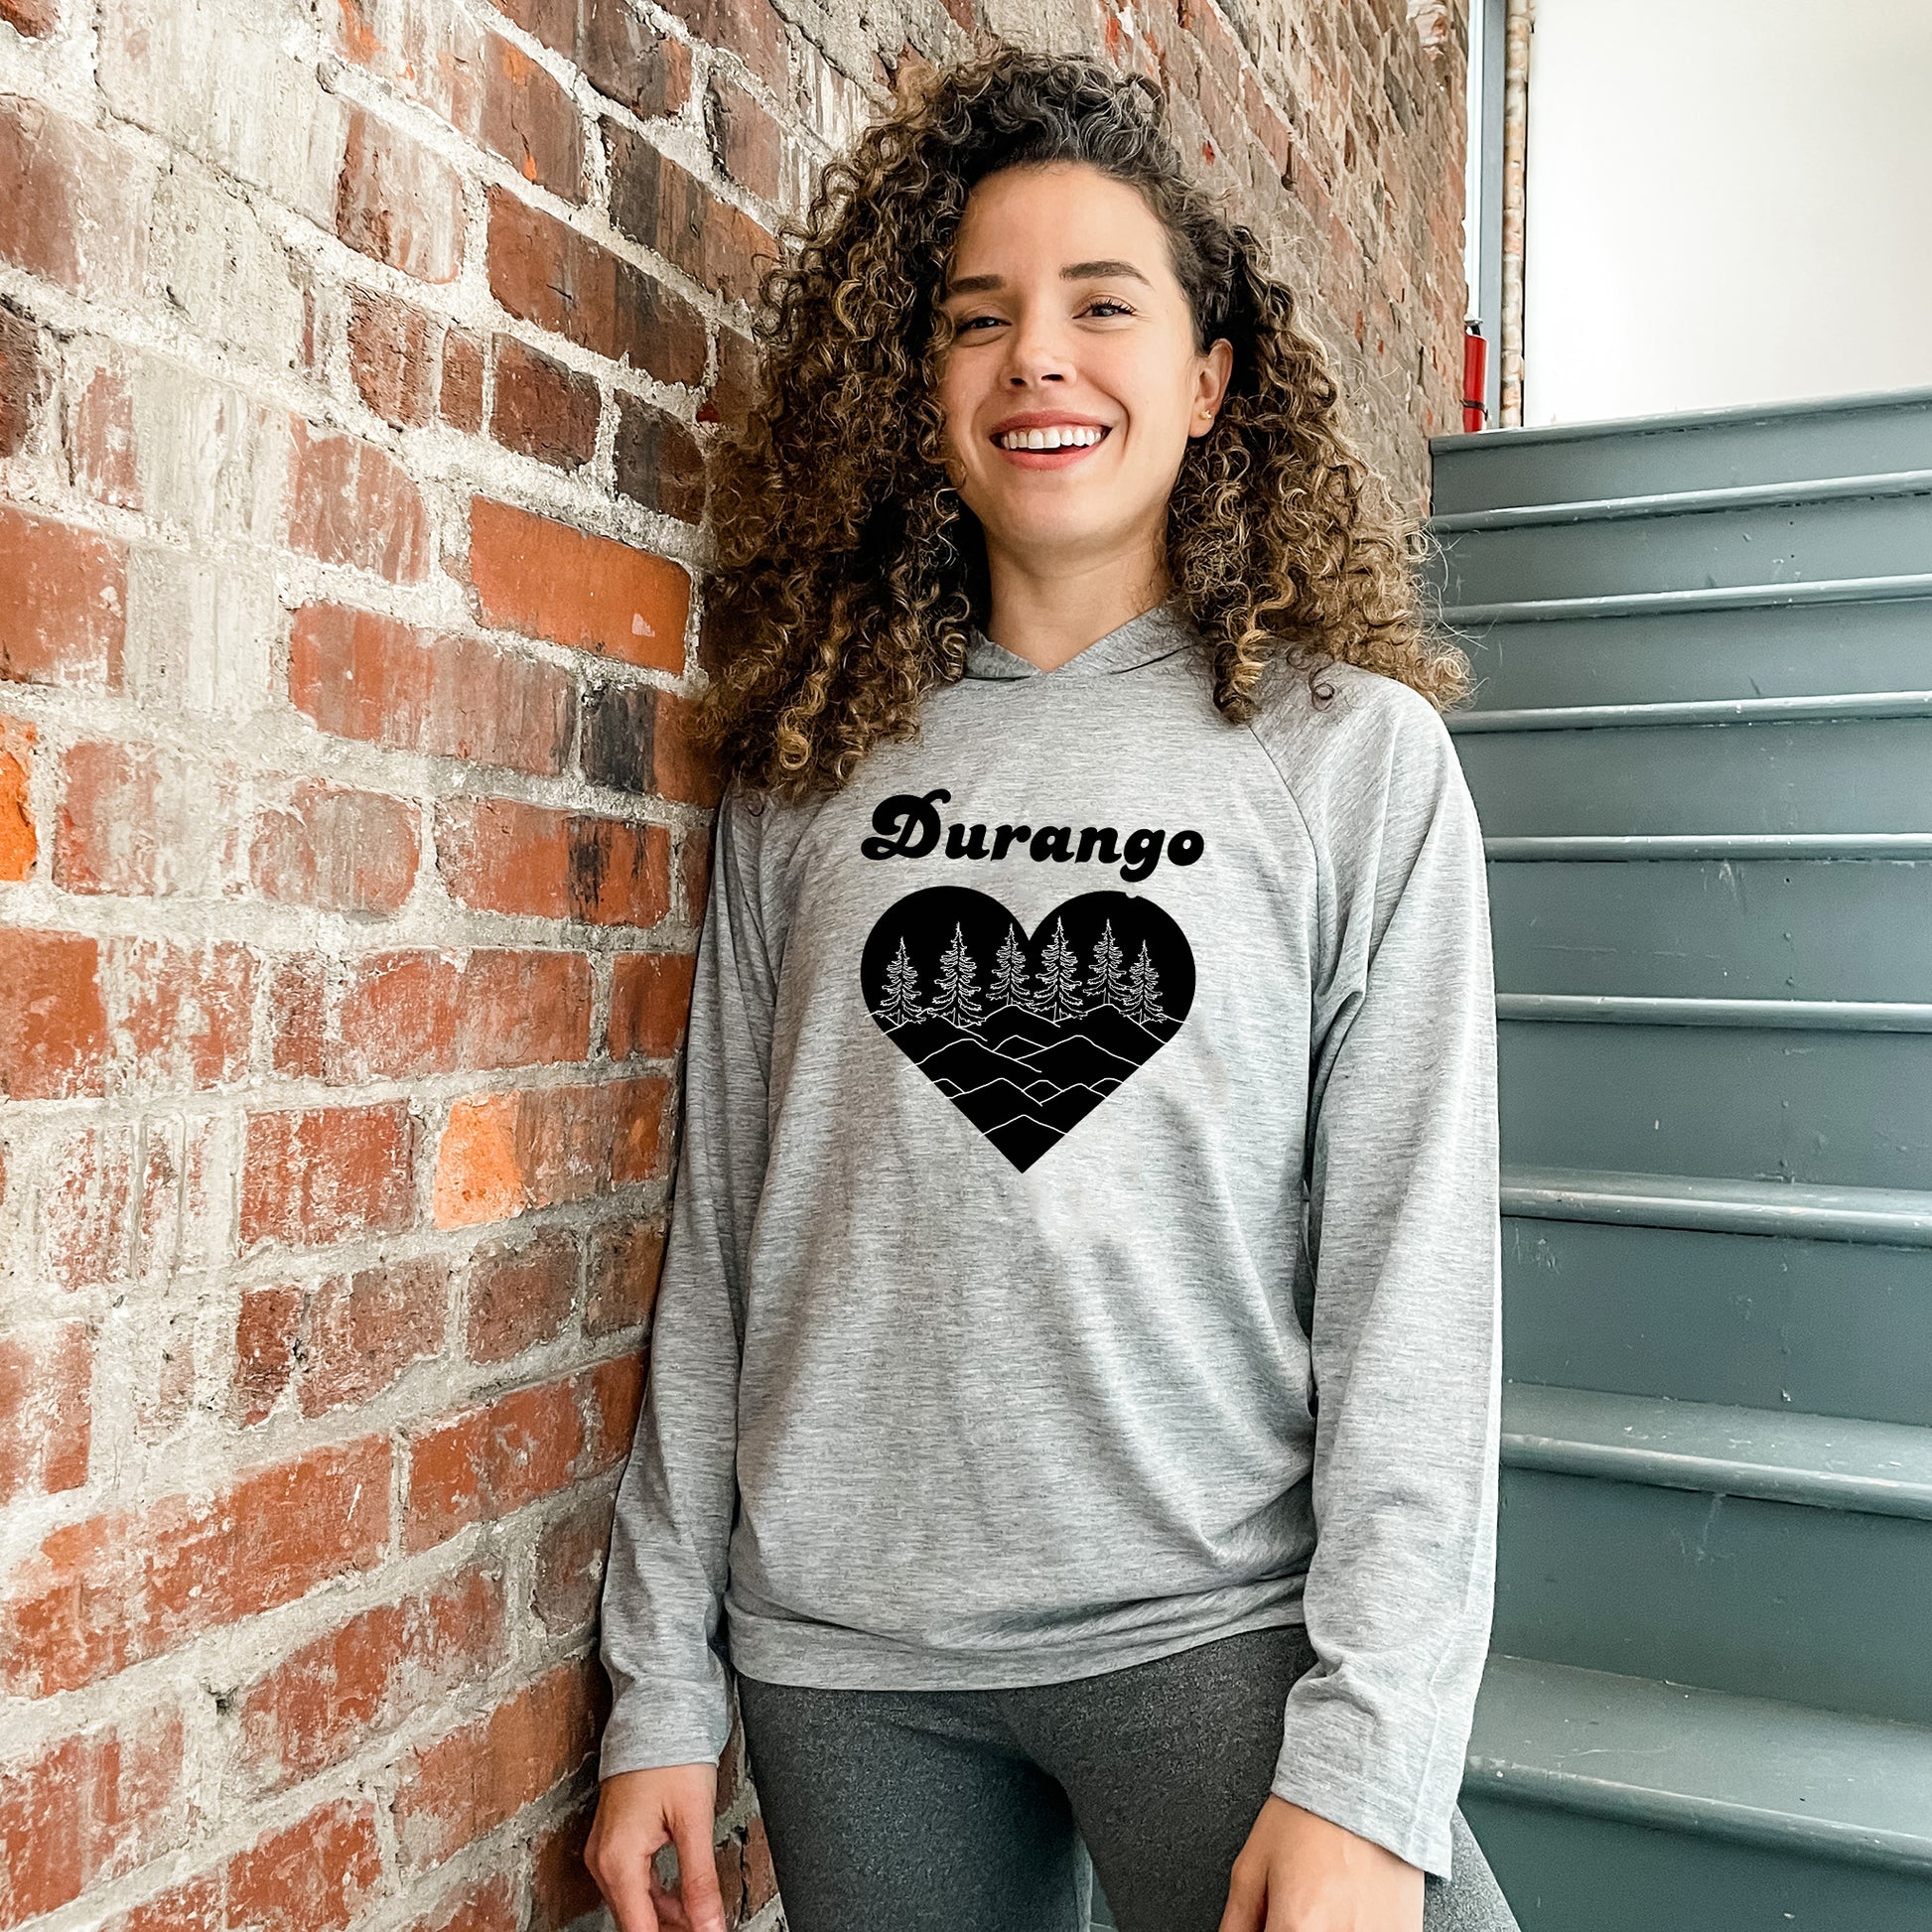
1067,436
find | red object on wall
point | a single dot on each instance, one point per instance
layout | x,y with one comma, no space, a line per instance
1475,354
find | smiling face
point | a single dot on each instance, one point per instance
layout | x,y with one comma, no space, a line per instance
1072,384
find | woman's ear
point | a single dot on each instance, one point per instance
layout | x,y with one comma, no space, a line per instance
1211,385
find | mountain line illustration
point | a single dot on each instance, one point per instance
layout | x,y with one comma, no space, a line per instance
1026,1034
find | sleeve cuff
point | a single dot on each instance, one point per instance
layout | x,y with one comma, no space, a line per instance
662,1724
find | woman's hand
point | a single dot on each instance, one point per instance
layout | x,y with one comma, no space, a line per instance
1299,1872
638,1813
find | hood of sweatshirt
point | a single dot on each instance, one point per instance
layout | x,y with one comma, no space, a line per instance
1158,633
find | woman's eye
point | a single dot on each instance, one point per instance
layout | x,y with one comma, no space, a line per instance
1108,302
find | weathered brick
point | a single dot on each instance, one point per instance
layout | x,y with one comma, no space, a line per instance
323,1702
297,996
614,1394
505,1153
32,18
18,842
81,1812
659,461
546,272
694,869
317,1174
317,1875
627,1258
63,619
659,205
461,397
144,819
100,441
570,1559
486,1463
543,409
46,1409
410,1014
398,202
484,1773
562,1889
681,768
184,1013
527,118
621,54
489,1904
337,850
392,357
548,580
369,677
736,385
521,1294
76,209
53,1022
114,1589
500,855
24,379
618,719
650,1002
750,29
354,504
744,138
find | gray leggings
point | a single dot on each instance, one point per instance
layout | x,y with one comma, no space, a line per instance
991,1811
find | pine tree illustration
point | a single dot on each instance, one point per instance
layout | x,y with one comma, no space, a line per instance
1059,979
901,1006
1144,992
957,999
1010,974
1106,984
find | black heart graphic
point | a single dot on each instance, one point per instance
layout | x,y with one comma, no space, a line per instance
1026,1034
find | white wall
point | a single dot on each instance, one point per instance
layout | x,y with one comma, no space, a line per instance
1726,202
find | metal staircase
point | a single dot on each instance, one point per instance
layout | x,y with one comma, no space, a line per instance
1702,752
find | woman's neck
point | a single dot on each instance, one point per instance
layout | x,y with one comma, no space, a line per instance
1048,619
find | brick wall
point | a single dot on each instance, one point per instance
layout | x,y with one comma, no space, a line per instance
357,363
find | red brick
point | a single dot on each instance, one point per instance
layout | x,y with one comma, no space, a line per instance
102,453
546,272
398,202
484,1773
76,209
745,138
527,118
392,357
144,819
521,1294
570,1559
19,843
650,1002
694,864
354,504
369,677
562,1889
24,380
319,1174
297,997
81,1812
32,18
615,1392
46,1409
63,619
52,1024
543,409
505,1153
342,1342
83,1226
627,1258
658,203
115,1590
659,461
177,1170
548,580
195,1905
410,1014
462,398
736,385
489,1905
622,54
184,1013
483,1463
326,1701
750,29
335,850
681,766
500,855
318,1873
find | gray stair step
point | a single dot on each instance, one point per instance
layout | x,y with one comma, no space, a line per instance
1779,771
1831,1784
1745,928
1521,606
1786,1298
1823,435
1778,649
1846,1109
1830,531
1828,1461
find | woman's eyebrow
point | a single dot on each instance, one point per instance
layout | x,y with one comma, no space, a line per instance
1073,272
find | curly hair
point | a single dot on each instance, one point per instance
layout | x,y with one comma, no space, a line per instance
847,571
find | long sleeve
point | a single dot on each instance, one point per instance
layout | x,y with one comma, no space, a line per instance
676,1502
1405,1244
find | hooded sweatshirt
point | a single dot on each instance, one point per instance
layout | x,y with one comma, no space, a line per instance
1085,1239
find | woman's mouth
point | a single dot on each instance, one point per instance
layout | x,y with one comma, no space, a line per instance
1056,448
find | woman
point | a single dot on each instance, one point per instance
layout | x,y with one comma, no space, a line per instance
1088,1183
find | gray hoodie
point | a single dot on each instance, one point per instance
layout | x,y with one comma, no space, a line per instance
1088,1187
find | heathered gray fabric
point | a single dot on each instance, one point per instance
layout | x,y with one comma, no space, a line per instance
924,1414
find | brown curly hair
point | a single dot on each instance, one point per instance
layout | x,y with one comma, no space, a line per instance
847,570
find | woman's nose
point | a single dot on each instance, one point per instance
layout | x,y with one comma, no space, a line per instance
1036,352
